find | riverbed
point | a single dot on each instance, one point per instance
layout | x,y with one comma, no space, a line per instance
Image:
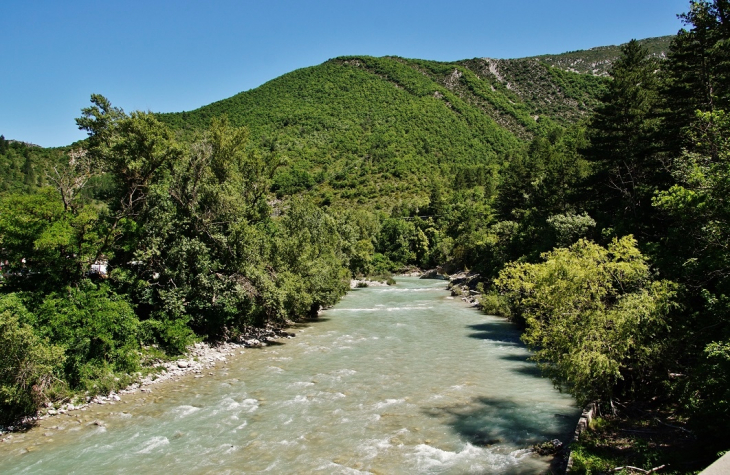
399,379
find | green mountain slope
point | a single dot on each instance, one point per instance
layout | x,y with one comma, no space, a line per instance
25,166
380,129
597,61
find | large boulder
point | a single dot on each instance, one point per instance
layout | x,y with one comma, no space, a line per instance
433,274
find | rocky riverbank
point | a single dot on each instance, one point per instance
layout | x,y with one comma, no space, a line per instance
201,358
461,284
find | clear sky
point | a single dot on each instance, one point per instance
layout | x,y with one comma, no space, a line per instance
174,55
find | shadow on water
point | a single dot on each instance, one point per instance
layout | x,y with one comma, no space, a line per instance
505,334
528,368
304,323
501,332
516,358
486,421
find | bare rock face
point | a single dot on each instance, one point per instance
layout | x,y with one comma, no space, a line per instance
453,79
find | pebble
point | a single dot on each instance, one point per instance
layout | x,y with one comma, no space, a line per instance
201,356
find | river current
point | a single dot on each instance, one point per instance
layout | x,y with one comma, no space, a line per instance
391,380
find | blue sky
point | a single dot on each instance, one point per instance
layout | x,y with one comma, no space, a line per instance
179,55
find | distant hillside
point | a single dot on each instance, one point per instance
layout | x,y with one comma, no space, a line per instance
23,166
597,61
380,129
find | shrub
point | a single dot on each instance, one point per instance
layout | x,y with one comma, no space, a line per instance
593,315
28,364
493,303
97,327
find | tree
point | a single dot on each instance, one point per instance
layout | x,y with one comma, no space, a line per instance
98,329
47,246
622,142
136,149
698,203
594,317
29,177
70,178
697,71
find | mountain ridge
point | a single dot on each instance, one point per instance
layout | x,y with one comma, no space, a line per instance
387,126
597,61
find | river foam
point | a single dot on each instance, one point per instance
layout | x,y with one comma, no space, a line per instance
421,387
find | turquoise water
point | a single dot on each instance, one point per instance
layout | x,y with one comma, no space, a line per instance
392,380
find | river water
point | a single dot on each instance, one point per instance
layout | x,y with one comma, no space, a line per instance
391,380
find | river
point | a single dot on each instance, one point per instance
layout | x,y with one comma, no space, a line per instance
391,380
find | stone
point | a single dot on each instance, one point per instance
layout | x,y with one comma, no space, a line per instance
182,364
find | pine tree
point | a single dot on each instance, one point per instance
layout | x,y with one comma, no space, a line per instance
622,140
697,72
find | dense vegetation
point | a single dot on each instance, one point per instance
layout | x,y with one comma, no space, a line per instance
379,130
594,210
190,244
24,167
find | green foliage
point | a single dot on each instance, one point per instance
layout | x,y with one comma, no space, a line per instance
309,246
696,74
570,227
709,400
365,129
30,365
593,315
46,245
697,200
587,462
397,241
623,142
494,303
292,182
98,329
25,167
544,178
380,164
134,149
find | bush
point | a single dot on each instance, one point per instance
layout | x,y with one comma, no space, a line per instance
29,364
593,315
98,329
173,335
495,304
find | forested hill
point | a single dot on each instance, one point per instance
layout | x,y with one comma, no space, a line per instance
598,61
590,207
370,129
